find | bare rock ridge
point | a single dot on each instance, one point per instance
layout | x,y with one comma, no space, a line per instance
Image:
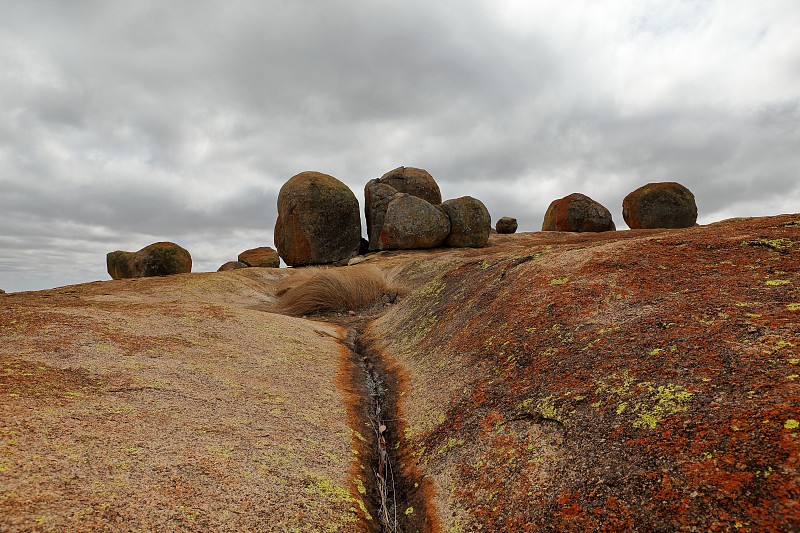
644,380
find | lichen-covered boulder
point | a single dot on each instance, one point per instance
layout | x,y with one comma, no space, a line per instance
157,259
232,265
377,196
412,222
660,205
263,256
318,220
577,212
470,222
506,225
379,192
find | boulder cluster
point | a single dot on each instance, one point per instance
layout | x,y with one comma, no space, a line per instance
263,256
319,220
655,205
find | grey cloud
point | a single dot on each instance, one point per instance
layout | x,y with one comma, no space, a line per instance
123,122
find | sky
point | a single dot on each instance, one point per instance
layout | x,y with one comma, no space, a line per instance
124,123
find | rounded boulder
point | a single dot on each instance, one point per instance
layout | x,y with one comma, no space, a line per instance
506,225
660,205
412,222
263,256
318,220
232,265
470,222
577,212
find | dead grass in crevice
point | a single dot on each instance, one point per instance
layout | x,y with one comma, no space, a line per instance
314,290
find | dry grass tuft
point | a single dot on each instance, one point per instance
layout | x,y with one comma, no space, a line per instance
318,290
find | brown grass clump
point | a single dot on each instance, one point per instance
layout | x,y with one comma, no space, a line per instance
319,290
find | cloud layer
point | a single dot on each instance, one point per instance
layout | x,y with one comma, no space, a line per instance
124,123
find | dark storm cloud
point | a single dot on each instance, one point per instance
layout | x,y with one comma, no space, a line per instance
123,123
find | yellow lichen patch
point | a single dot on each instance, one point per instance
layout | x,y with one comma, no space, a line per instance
793,307
776,282
558,281
791,424
667,400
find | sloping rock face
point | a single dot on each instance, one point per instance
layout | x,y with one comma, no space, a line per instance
506,225
636,381
172,404
157,259
660,205
263,256
318,220
470,222
379,192
412,222
577,212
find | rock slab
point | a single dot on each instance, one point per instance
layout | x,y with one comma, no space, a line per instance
318,220
660,205
577,212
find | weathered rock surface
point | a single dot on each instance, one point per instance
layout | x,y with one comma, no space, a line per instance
577,212
232,265
157,259
173,404
318,220
506,225
379,192
412,222
263,256
470,222
660,205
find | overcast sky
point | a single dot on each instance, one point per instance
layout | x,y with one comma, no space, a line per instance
124,123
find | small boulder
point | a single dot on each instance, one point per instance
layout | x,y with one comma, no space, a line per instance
118,264
506,225
412,222
2,291
157,259
232,265
379,192
470,222
577,212
660,205
263,256
318,220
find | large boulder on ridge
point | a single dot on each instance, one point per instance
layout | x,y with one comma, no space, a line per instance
379,192
157,259
470,222
263,256
506,225
660,205
577,212
318,220
411,223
